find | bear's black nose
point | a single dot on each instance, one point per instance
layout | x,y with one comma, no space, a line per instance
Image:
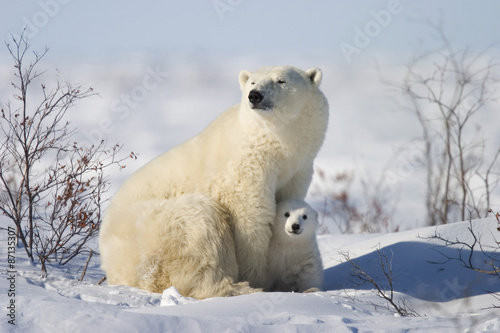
295,226
255,97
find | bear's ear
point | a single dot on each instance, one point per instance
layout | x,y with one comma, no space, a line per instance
315,75
244,75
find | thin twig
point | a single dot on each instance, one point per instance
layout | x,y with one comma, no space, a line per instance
86,264
101,280
402,306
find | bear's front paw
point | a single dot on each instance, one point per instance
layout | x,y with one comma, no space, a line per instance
242,288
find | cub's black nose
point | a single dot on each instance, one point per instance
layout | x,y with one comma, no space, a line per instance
295,227
255,97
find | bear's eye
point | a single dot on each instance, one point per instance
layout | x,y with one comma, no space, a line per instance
281,81
304,217
252,83
287,214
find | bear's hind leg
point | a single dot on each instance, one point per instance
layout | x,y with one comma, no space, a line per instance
195,250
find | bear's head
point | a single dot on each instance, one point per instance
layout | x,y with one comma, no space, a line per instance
295,219
282,92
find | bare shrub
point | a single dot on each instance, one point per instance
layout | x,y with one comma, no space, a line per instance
468,247
371,210
52,189
446,90
360,277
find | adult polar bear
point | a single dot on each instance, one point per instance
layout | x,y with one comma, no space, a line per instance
199,217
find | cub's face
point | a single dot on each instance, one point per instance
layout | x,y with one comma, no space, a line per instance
280,91
296,219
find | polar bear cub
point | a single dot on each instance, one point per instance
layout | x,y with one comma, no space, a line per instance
294,261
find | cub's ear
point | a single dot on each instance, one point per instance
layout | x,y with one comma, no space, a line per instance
315,75
244,75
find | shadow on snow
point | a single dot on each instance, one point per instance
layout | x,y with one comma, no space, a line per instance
416,273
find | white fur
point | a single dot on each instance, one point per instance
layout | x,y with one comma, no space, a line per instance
294,261
199,216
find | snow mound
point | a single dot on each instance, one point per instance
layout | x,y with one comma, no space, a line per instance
171,296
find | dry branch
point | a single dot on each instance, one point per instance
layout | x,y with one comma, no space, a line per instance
52,189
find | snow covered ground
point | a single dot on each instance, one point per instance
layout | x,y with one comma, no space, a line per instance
444,297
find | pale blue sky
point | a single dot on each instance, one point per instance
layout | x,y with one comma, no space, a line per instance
244,27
